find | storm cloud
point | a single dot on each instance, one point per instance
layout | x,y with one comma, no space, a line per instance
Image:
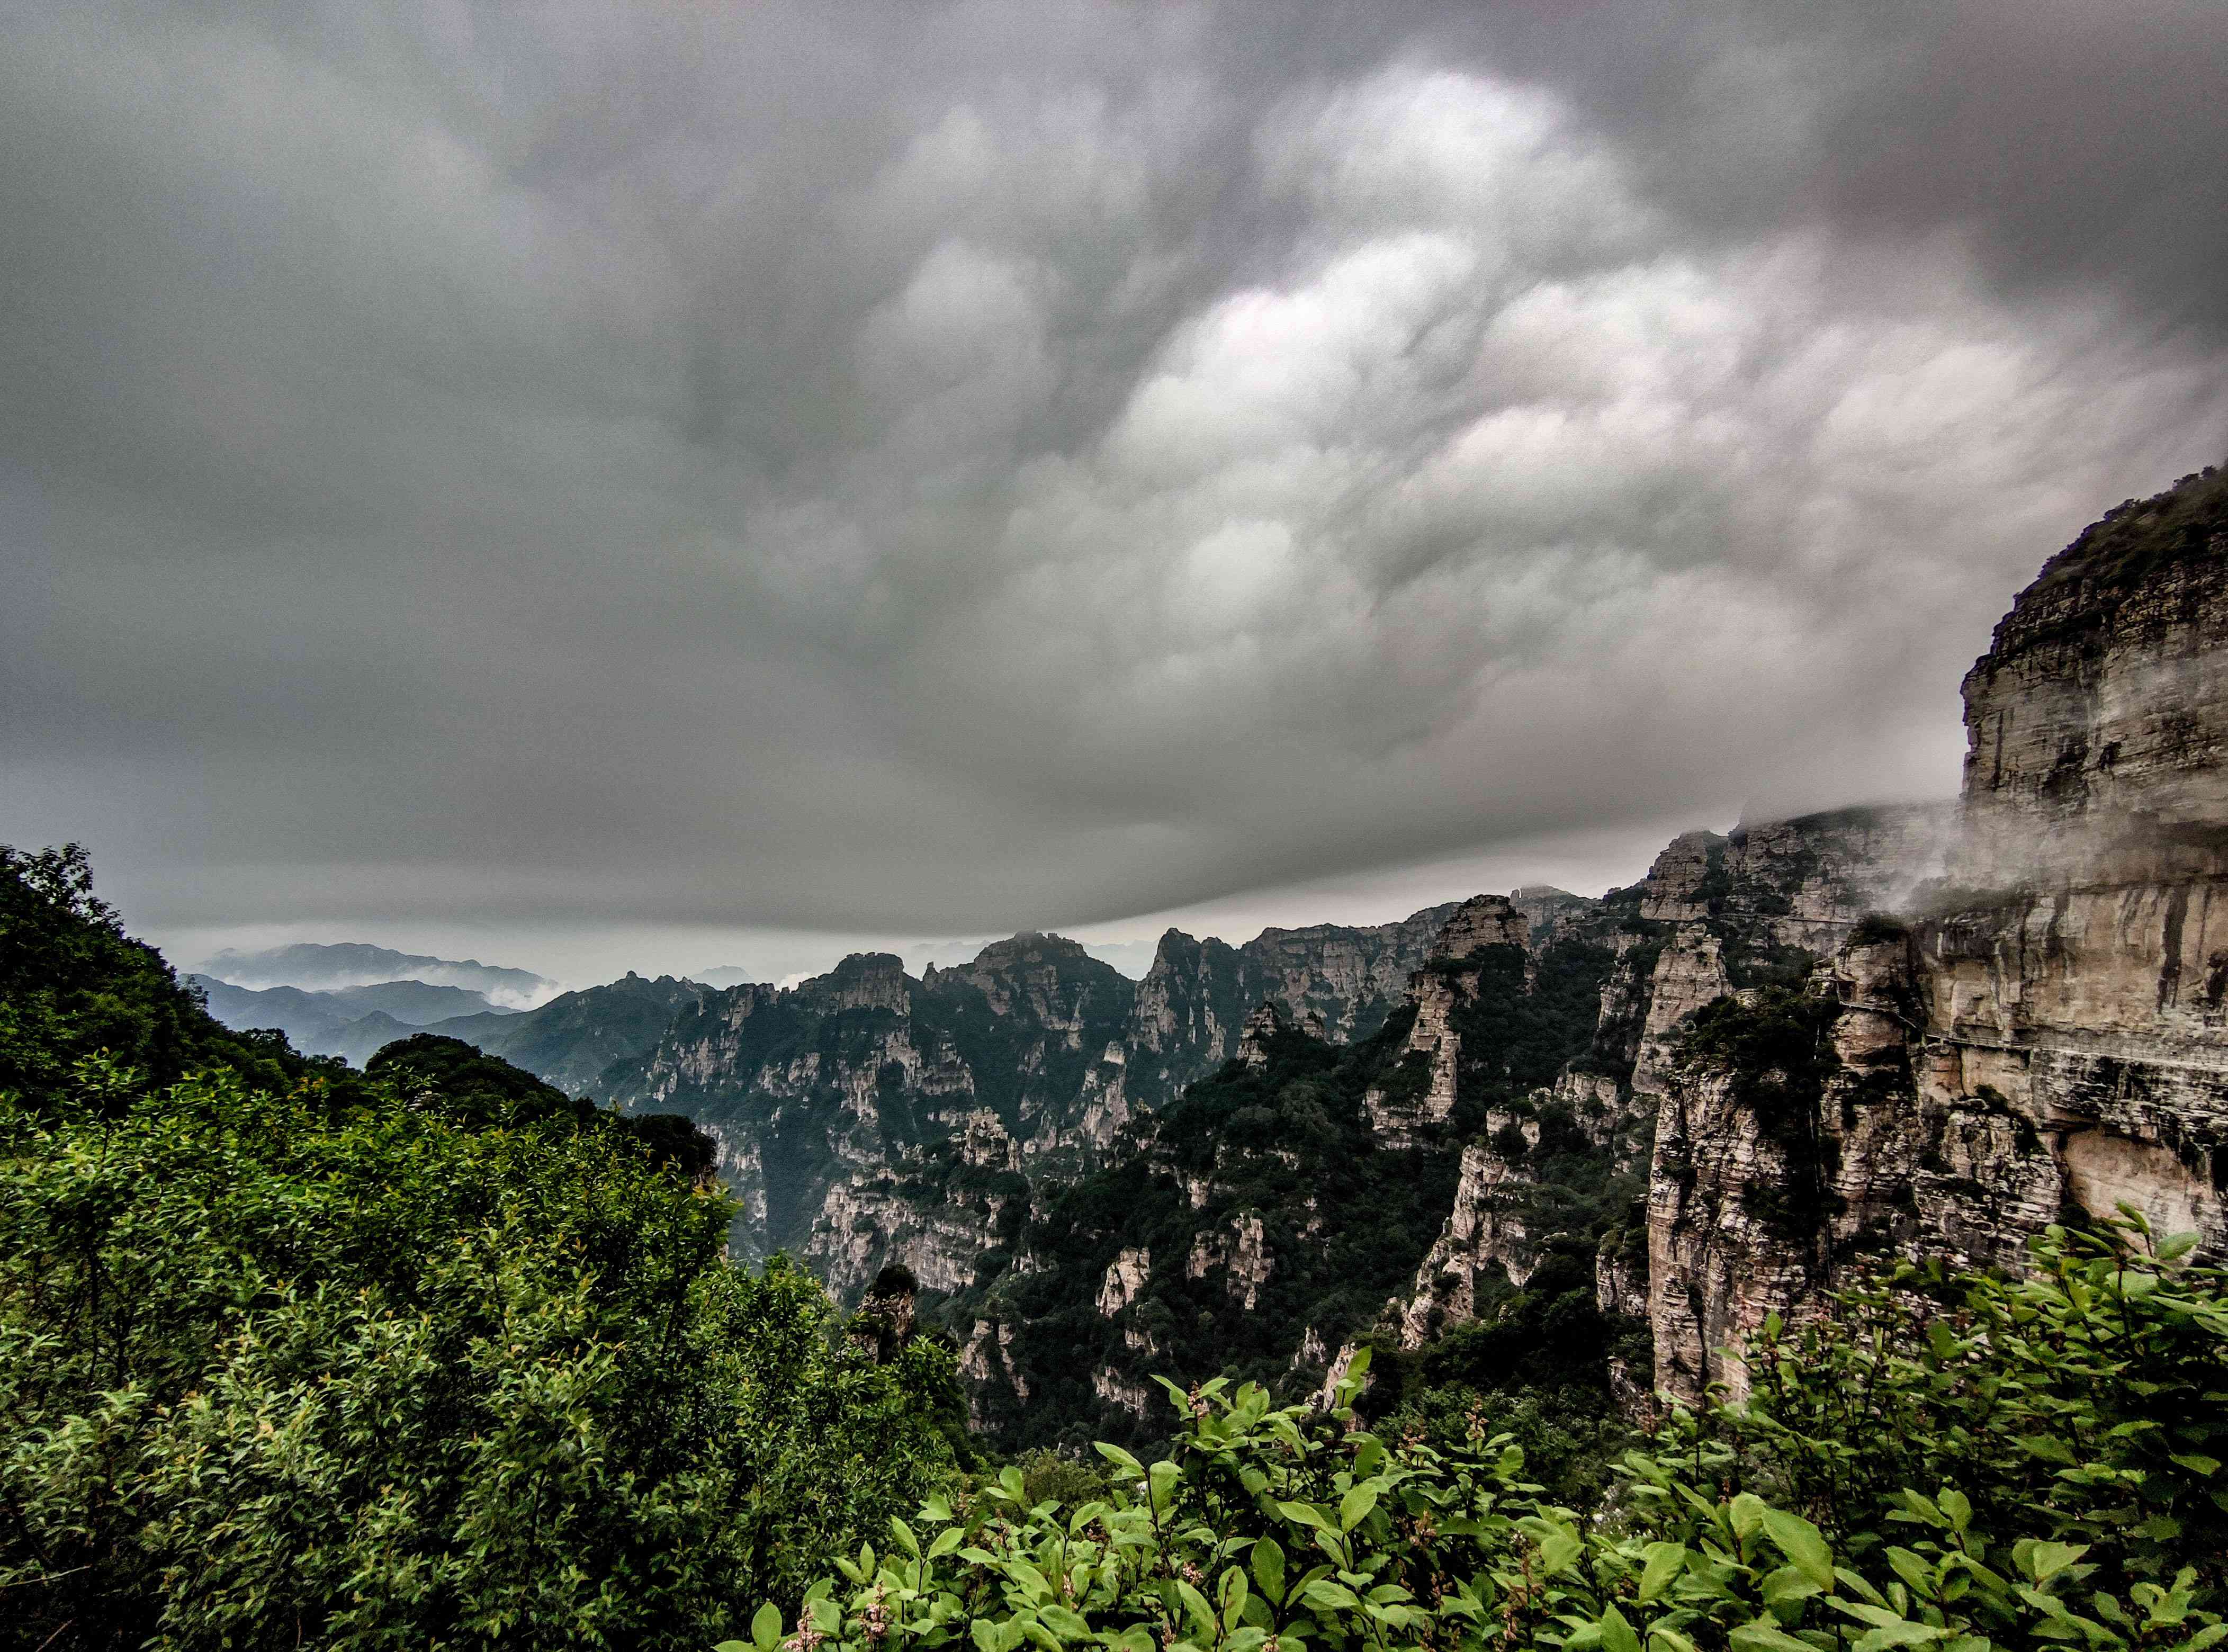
938,468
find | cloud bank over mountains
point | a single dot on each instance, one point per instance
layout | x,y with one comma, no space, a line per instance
948,468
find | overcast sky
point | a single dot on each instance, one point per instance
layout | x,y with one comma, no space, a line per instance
632,486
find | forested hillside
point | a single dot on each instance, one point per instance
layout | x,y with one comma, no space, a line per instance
432,1355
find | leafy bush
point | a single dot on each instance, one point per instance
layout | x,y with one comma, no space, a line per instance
280,1367
2005,1464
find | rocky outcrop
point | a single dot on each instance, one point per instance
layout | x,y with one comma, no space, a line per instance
1125,1278
1240,1254
2045,1036
2077,962
1426,1082
1481,921
1352,978
1486,1231
1191,1007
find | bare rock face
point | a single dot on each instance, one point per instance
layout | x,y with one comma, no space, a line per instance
2046,1035
1438,993
1240,1253
1482,920
1485,1231
1719,1260
1125,1278
993,1382
1690,972
1261,1029
1351,978
2095,722
1679,887
2077,964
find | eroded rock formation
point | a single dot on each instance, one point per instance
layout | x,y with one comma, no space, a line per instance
2045,1037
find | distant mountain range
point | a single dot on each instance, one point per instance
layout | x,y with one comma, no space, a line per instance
570,1042
352,964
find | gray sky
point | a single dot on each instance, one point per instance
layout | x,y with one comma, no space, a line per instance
657,486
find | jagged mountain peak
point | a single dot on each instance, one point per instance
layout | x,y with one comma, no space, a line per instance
1053,977
862,981
1482,920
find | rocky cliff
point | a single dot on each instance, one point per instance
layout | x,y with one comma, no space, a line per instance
2043,1039
868,1118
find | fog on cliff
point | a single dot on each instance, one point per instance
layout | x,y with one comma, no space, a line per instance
560,481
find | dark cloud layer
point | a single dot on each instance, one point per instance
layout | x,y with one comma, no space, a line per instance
919,468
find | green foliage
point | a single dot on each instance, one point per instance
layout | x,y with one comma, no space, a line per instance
1268,1530
2092,1393
434,1356
2139,536
277,1365
72,983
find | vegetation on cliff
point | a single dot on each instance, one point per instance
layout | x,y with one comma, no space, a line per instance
1265,1206
2135,539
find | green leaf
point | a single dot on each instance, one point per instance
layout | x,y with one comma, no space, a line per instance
1331,1597
1354,1507
1360,1362
1747,1512
2045,1561
1196,1603
1665,1562
1558,1550
2195,1462
1764,1636
1069,1625
946,1541
765,1628
1803,1544
1787,1586
1161,1479
1231,1597
1617,1633
1303,1515
1119,1458
1268,1569
1902,1633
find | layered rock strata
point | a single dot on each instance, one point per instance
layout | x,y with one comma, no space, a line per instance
2045,1039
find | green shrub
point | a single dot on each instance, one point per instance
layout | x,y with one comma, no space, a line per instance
2016,1464
292,1368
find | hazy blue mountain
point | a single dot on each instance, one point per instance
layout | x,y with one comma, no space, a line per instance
571,1041
310,1019
352,1022
353,963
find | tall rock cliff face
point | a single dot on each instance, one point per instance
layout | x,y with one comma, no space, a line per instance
1192,1006
2045,1036
2077,962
